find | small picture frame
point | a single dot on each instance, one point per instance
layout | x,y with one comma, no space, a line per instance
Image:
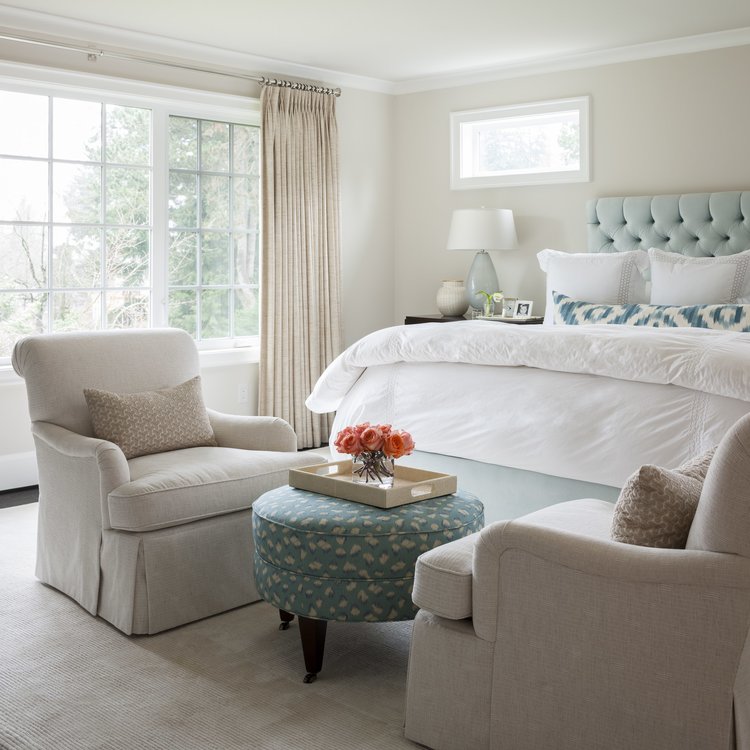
522,308
507,305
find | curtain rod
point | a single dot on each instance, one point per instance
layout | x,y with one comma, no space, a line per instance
94,54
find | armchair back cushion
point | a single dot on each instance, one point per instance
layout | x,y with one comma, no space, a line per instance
722,519
656,505
57,367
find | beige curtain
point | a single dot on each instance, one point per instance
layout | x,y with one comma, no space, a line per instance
300,323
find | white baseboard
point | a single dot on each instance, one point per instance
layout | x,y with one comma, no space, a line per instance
18,470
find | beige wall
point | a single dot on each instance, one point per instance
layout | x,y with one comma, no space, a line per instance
668,125
366,142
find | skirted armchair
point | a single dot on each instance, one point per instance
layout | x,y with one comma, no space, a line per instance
542,633
156,540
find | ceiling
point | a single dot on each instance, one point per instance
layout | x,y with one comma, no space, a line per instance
398,41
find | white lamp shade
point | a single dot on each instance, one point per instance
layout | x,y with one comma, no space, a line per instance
482,229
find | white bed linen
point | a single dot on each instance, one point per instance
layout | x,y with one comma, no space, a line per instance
590,403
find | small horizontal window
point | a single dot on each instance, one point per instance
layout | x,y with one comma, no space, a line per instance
525,144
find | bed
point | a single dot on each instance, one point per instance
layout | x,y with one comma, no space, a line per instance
531,415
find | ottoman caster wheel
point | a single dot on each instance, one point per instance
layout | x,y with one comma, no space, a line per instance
284,626
310,677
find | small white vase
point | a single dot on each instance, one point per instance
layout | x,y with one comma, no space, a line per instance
451,298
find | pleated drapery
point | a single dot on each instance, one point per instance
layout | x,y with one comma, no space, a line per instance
300,321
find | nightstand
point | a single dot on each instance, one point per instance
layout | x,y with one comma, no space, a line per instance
534,320
432,318
531,320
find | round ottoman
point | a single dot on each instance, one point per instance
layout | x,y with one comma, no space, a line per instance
323,558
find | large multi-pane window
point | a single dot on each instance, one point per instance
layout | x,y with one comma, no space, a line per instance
101,228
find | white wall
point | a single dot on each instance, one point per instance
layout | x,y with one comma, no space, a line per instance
668,125
366,171
366,143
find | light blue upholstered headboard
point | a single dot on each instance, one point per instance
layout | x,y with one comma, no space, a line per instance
699,224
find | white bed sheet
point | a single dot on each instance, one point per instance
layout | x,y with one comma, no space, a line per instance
661,398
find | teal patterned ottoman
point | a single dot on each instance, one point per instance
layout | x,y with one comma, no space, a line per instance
323,558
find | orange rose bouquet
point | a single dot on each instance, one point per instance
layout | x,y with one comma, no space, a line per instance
373,449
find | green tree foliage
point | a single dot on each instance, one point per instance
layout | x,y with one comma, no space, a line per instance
569,141
101,233
213,217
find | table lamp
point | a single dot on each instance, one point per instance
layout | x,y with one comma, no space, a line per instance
482,229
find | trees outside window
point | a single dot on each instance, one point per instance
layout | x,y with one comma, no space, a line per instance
92,236
213,228
522,144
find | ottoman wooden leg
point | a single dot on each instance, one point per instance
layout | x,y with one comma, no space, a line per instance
313,636
286,618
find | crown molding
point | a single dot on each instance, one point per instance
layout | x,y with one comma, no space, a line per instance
542,66
232,61
168,49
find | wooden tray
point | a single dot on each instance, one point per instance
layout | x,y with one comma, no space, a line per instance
410,485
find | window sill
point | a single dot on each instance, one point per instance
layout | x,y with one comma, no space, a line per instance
8,375
232,356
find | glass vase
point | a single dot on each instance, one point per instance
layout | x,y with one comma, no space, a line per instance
373,468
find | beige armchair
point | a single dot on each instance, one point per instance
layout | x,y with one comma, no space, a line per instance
542,633
154,541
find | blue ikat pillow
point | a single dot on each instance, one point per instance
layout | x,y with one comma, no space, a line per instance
575,312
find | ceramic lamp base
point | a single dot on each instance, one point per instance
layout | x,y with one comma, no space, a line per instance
482,278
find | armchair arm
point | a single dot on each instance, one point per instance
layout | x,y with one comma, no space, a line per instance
76,474
252,433
74,460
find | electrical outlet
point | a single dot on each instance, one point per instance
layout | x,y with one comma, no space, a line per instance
241,394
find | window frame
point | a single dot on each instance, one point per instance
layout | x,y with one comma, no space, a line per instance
477,116
163,101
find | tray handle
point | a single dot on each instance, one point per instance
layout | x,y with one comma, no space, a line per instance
421,489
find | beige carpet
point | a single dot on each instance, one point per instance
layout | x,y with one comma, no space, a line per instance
70,681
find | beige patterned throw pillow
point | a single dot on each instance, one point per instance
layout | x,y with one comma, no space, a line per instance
152,421
656,506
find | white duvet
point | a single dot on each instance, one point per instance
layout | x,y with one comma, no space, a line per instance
584,402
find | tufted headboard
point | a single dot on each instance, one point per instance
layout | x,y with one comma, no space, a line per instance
699,224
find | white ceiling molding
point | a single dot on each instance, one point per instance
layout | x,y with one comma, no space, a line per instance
669,47
33,23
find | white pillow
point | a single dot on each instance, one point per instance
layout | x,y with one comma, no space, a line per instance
680,280
617,278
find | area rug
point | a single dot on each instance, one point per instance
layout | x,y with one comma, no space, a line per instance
69,681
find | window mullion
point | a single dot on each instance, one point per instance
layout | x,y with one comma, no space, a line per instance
159,213
103,254
50,196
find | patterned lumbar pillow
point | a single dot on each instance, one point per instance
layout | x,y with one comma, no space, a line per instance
656,506
575,312
152,421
